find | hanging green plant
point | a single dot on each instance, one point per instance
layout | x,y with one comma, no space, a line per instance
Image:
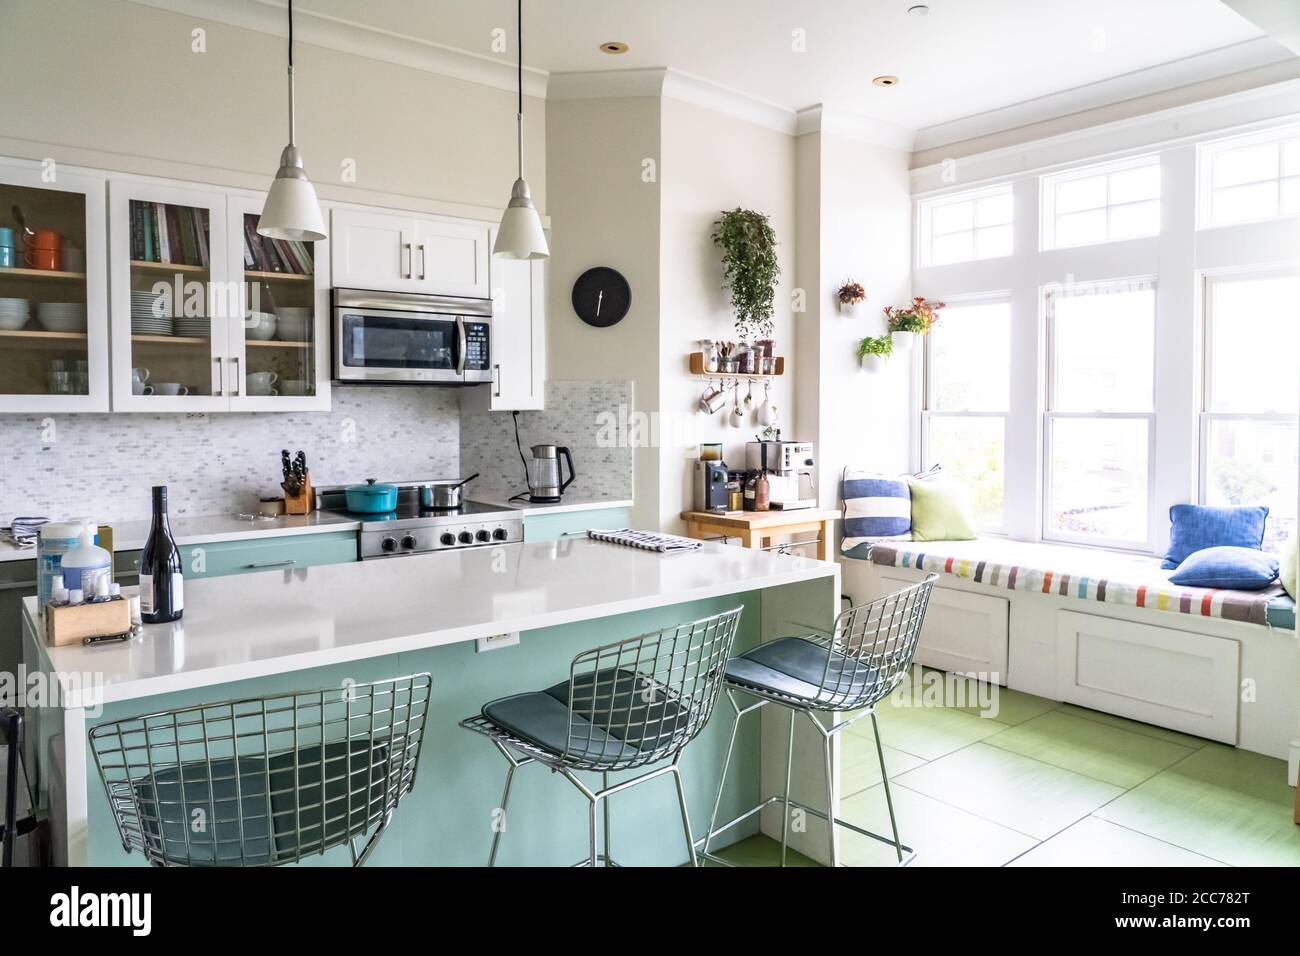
749,269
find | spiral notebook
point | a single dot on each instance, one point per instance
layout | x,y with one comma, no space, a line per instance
646,540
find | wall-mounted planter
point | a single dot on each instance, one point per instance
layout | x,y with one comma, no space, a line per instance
873,363
850,309
902,340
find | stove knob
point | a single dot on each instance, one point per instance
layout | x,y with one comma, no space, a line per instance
466,538
408,542
500,534
389,544
482,534
447,539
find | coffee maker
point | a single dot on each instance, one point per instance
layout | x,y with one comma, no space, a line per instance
546,482
789,466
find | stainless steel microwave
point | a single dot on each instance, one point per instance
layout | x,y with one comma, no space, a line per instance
401,338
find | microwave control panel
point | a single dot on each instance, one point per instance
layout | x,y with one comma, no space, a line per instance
477,353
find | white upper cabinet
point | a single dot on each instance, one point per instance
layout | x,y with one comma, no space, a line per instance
53,290
392,252
518,338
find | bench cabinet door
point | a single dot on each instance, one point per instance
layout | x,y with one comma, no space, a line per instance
1176,679
963,632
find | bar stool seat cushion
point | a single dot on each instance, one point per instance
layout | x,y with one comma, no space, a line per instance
627,719
796,667
214,837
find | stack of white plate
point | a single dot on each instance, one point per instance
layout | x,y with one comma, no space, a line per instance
145,320
14,314
199,328
61,316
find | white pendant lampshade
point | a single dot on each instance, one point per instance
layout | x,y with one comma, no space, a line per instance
520,235
291,210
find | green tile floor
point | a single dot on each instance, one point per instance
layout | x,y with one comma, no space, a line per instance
1048,784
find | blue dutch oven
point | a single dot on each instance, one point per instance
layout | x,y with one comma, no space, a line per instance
371,498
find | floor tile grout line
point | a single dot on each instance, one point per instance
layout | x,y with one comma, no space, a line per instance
970,813
1152,836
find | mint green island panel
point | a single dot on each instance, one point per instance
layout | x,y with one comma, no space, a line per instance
350,609
548,527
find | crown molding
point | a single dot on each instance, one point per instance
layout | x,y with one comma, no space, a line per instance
606,84
358,39
863,129
1209,118
1210,65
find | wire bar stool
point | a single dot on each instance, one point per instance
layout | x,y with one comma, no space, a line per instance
866,654
625,706
266,780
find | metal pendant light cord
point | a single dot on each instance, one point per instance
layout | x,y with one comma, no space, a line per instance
519,117
291,116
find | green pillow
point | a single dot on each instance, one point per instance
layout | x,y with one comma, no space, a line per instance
1288,566
941,511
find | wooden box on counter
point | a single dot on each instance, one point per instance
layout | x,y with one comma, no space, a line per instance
70,625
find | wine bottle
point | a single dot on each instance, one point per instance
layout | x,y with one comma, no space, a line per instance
162,587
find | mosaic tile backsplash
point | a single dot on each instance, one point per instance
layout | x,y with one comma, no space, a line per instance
574,415
103,465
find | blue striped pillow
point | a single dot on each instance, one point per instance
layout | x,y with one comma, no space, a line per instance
875,506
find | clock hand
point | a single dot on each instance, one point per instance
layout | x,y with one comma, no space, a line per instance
600,297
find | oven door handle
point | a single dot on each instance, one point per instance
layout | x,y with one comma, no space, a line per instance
462,345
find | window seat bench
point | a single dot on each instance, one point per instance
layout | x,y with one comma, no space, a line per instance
1101,629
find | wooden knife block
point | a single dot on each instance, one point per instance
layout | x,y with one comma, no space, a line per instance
302,503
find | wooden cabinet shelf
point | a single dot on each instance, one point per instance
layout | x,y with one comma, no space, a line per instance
697,368
278,276
43,340
147,266
205,342
42,274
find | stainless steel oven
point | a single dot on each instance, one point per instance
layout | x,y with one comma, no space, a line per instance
400,338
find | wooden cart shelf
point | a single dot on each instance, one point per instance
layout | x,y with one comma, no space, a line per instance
697,368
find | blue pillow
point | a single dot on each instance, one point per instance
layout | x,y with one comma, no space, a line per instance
1241,569
1196,527
876,506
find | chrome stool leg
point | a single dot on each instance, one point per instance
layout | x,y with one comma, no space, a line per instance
686,817
604,785
505,800
789,772
884,779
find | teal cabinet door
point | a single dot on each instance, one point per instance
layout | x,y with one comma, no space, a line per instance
217,558
550,527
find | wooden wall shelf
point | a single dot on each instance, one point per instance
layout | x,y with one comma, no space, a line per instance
697,368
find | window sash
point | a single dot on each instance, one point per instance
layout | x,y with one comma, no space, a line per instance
1052,534
1207,193
927,234
1098,288
928,415
1208,282
1049,216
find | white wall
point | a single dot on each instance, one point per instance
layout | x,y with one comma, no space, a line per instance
711,163
607,213
854,199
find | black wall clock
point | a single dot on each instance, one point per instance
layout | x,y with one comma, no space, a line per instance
601,297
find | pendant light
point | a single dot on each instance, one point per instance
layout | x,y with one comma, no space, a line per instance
520,235
291,210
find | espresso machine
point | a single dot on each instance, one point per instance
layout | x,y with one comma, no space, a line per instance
546,481
789,466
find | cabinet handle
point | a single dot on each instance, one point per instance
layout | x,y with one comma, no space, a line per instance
235,390
268,564
221,377
496,381
406,251
422,261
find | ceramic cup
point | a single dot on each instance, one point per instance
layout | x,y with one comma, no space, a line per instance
169,388
260,383
295,386
140,374
48,260
8,257
140,388
74,258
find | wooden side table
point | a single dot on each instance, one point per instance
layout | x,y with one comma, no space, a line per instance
755,527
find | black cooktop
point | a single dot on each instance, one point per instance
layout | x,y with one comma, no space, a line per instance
411,510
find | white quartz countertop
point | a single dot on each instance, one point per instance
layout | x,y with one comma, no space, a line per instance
568,504
252,625
202,529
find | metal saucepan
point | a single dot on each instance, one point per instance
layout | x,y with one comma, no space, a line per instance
444,495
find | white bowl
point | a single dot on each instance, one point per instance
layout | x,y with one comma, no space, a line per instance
11,322
259,326
293,328
56,322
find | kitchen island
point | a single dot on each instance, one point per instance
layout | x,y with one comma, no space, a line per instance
318,627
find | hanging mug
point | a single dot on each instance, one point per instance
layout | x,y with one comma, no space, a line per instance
713,400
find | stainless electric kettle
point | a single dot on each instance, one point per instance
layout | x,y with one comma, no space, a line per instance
545,482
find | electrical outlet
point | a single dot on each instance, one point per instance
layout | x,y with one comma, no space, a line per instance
196,416
496,641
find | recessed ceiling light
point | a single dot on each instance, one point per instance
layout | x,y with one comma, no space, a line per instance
613,47
919,10
885,81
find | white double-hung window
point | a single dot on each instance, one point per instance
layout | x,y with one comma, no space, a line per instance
967,400
1250,442
1102,203
1099,427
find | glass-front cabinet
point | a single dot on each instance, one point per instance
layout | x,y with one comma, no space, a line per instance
207,315
53,290
279,344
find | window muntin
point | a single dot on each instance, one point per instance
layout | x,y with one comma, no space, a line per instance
1099,204
966,226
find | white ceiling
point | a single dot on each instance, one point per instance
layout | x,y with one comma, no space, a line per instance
966,57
